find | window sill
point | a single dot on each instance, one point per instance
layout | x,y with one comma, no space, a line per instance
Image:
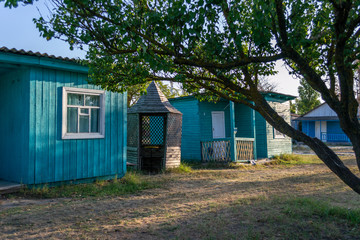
83,136
279,137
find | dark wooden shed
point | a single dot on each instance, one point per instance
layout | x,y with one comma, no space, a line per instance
154,132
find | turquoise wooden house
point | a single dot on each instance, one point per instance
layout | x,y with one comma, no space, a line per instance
55,127
227,131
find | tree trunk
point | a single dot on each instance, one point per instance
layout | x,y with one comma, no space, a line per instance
321,150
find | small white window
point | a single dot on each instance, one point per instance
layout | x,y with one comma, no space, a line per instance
83,113
278,134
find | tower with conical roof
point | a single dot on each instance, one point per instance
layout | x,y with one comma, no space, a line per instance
154,132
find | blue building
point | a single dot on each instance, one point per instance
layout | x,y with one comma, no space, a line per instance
55,127
227,131
323,123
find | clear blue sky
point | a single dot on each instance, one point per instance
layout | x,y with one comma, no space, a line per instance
18,31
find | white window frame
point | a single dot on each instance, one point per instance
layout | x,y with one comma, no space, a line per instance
101,133
277,133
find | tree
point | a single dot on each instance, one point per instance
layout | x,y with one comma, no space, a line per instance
292,107
220,48
308,98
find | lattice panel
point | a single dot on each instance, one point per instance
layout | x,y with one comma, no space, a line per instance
218,151
244,150
133,130
173,137
152,129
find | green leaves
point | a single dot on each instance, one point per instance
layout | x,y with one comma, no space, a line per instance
308,98
132,42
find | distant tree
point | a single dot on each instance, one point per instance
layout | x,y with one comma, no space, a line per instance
308,98
292,107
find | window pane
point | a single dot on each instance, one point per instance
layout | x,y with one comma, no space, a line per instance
91,100
84,110
84,124
72,120
95,119
75,99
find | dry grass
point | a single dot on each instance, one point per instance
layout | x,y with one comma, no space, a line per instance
304,201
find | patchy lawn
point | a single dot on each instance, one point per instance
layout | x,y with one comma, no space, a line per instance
278,201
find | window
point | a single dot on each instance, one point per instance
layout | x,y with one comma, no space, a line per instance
83,113
278,134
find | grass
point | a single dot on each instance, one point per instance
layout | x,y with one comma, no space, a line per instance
293,159
306,207
300,199
132,182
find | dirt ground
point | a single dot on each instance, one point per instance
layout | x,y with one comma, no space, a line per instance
246,203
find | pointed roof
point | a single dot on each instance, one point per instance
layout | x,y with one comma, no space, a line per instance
154,101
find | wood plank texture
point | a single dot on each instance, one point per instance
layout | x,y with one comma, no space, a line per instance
278,145
14,125
63,160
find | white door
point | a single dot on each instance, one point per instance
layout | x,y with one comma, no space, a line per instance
218,124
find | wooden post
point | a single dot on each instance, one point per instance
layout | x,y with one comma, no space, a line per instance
232,133
253,125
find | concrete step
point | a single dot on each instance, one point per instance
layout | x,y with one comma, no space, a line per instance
9,187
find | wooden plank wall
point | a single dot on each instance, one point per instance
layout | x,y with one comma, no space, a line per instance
243,121
63,160
261,137
190,140
278,145
205,109
14,125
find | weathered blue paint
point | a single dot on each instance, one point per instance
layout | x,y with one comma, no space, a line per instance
205,109
335,133
190,143
261,136
197,127
308,127
243,121
14,93
333,127
33,151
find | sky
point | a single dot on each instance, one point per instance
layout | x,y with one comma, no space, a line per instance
18,31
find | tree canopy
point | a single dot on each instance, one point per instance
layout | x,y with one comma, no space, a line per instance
222,48
308,98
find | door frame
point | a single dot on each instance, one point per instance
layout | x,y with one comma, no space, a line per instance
222,114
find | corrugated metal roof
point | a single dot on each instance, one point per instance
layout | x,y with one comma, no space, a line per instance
154,101
36,54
